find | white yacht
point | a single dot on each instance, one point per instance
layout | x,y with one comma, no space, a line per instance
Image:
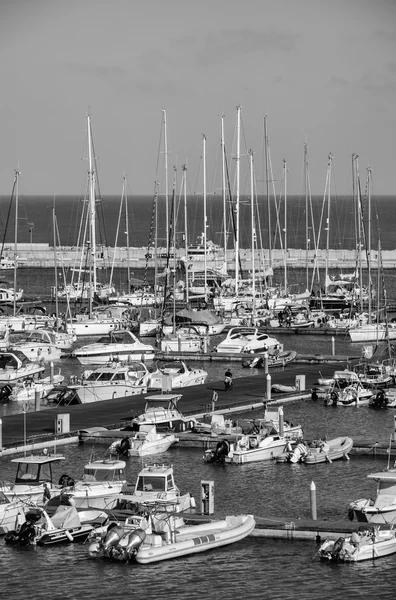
119,345
248,340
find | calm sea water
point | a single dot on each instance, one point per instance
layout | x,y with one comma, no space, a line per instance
35,220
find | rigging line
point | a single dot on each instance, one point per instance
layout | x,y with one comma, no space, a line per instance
8,216
231,203
151,233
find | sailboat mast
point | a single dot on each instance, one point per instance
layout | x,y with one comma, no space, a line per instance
17,174
268,195
238,154
55,265
369,183
224,191
329,167
184,169
253,241
285,230
306,212
92,219
205,215
166,177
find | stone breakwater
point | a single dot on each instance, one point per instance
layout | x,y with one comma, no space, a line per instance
43,256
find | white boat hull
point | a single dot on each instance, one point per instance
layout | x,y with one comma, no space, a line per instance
96,393
196,538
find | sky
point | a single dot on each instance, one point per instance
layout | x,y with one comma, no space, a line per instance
321,73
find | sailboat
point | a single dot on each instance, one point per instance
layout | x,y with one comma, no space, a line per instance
100,322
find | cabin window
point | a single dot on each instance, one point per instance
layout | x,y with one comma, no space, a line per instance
31,473
105,376
119,377
150,484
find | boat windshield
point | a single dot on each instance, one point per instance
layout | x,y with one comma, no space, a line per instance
102,474
151,483
33,473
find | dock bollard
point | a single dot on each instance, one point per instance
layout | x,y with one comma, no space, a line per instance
280,417
268,378
333,346
265,362
36,399
313,502
51,372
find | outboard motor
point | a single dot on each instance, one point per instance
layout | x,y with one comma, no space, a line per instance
135,540
220,452
112,538
123,447
338,544
5,392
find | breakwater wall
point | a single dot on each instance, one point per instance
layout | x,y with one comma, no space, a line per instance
43,255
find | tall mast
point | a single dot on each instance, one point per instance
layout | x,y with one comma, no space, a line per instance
306,186
205,216
329,167
127,234
253,240
237,201
184,169
55,266
92,219
17,174
285,230
369,182
166,179
224,191
268,195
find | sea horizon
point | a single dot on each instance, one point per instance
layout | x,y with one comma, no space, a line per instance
35,220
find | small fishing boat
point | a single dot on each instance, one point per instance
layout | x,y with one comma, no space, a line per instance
28,389
102,481
267,439
14,366
383,508
118,346
65,525
161,410
276,359
344,389
145,544
34,479
319,451
177,373
145,442
365,544
155,481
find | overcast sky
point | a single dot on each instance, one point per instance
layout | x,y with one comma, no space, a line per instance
321,71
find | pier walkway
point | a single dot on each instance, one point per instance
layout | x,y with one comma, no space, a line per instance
196,401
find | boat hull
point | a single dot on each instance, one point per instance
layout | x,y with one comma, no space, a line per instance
200,538
336,449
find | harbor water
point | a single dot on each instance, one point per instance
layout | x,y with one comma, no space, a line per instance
254,567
